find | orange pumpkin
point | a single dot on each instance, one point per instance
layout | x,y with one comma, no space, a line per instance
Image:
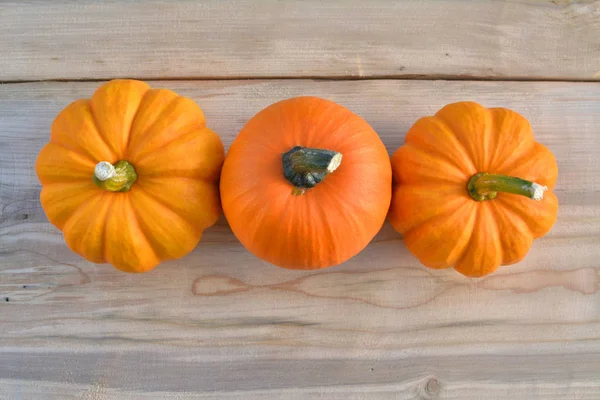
472,189
130,176
306,184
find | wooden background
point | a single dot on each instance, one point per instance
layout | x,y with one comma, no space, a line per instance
220,324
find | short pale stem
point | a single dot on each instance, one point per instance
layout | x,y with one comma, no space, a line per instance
114,178
305,167
484,186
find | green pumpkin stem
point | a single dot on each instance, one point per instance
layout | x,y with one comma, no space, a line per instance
114,178
305,167
484,186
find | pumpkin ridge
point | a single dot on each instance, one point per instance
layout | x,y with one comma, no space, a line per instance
78,213
458,175
146,228
404,222
473,214
135,115
457,143
513,208
128,209
142,135
469,246
450,209
78,148
203,208
496,228
105,235
439,156
463,162
101,134
47,172
469,242
513,214
524,166
469,138
487,145
496,163
162,203
110,200
63,187
83,152
509,215
504,168
188,131
463,213
115,100
512,205
85,156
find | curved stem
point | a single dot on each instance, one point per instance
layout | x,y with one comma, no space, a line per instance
305,167
114,178
484,186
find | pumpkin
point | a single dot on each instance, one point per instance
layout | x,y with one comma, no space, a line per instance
472,189
306,184
130,176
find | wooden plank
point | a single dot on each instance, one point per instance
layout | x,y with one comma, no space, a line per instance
268,38
256,378
221,324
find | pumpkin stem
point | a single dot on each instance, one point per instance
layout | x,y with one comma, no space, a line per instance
484,186
304,167
114,178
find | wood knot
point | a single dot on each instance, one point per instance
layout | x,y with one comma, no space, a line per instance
432,386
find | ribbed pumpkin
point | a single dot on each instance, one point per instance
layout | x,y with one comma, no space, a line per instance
130,176
472,189
306,184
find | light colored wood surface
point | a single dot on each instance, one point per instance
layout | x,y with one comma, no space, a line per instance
220,324
538,39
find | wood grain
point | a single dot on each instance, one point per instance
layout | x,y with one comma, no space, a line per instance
220,324
243,38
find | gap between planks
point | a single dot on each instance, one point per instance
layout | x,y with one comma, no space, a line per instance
411,77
